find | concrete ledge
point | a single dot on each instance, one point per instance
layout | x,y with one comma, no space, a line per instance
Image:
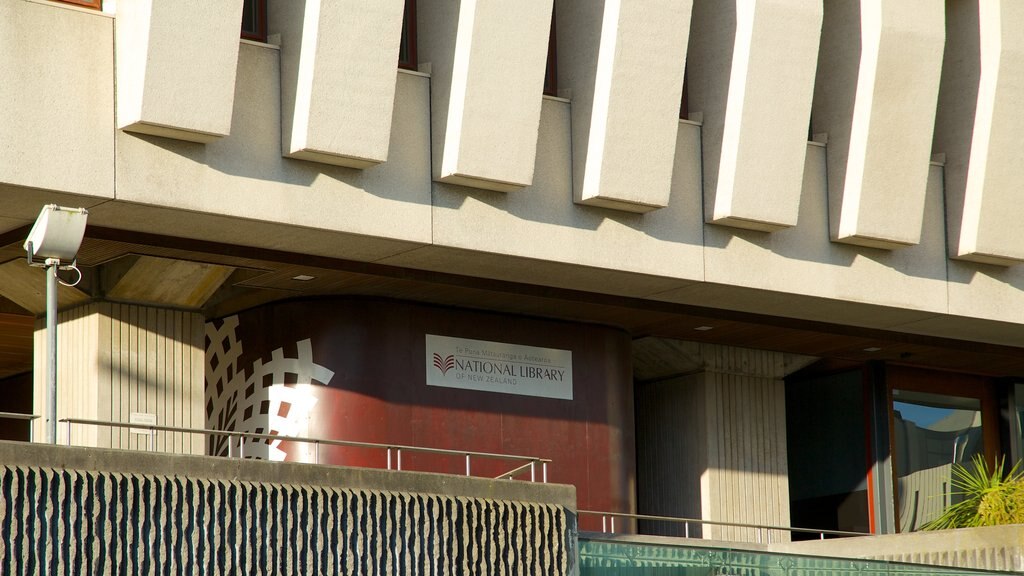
988,548
209,467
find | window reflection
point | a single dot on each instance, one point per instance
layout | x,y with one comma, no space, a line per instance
931,432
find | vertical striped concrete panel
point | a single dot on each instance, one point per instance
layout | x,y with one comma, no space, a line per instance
712,445
752,80
115,359
175,63
72,522
875,96
746,476
487,62
978,129
623,63
671,452
339,61
77,381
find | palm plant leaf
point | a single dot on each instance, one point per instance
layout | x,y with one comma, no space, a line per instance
989,497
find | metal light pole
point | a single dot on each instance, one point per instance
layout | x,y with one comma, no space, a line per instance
53,244
51,349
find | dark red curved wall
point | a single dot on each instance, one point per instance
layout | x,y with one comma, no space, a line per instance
378,392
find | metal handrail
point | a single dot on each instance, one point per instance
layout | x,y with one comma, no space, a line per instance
18,416
687,521
398,448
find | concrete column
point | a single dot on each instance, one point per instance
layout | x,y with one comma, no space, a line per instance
712,443
116,359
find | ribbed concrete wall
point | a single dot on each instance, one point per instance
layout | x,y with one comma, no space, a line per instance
71,520
746,477
712,444
115,359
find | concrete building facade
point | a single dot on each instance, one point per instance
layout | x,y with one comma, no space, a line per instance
752,261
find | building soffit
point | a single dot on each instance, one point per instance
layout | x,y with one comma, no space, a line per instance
219,279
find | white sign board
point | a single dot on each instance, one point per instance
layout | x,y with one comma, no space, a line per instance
499,367
141,418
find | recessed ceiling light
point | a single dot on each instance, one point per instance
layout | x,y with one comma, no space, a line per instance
872,349
704,328
303,277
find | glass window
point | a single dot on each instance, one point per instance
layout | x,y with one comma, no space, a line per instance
254,20
931,432
1017,422
407,49
97,4
551,68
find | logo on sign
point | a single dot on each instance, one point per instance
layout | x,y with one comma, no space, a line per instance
444,364
498,367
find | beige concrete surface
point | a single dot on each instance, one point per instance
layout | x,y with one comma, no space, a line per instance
755,106
802,260
988,548
169,84
57,87
287,473
239,190
625,107
540,228
338,74
990,229
875,95
485,95
245,178
116,359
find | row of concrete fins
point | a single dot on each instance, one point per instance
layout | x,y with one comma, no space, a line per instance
891,85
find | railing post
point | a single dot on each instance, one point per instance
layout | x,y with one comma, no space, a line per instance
316,452
241,446
389,457
759,535
613,524
399,459
231,451
544,471
686,529
467,464
822,535
533,471
604,523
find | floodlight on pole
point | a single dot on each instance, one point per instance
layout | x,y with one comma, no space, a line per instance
53,244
